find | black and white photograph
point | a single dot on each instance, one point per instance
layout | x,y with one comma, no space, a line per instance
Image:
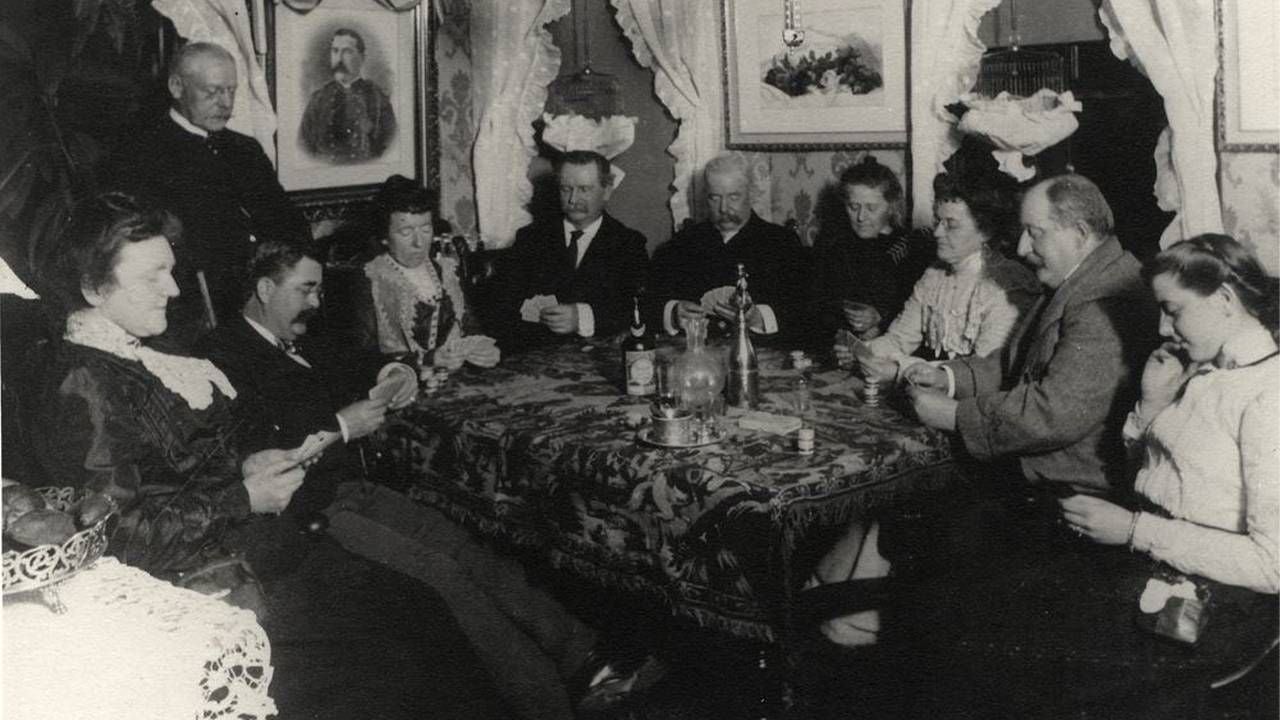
640,360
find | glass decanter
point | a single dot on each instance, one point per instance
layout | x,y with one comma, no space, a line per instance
699,377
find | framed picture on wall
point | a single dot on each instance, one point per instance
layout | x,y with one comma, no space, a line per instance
1248,47
814,75
349,79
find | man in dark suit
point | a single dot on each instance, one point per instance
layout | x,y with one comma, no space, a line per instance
541,658
704,256
219,182
291,386
589,261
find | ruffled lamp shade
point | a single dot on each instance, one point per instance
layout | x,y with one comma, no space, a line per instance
1020,127
610,136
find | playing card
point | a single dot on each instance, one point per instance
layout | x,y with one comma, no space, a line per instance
314,444
532,307
390,386
715,296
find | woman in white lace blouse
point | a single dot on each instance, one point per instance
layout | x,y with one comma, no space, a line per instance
415,304
970,300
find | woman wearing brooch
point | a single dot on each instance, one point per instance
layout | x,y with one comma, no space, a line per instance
415,304
969,301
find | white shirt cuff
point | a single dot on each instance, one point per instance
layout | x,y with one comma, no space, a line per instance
342,427
586,320
666,317
951,381
770,320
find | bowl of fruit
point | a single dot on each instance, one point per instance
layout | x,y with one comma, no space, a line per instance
51,533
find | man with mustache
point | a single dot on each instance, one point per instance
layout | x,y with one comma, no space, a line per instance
290,385
589,261
349,119
704,256
543,660
219,182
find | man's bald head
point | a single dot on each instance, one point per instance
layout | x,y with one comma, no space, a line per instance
202,83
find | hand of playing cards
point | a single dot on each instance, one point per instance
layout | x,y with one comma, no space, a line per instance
531,309
308,453
722,295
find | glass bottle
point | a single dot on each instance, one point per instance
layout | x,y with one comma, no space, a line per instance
638,355
744,376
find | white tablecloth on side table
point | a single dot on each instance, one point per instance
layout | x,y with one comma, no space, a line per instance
132,646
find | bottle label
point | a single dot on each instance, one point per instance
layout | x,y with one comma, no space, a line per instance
641,379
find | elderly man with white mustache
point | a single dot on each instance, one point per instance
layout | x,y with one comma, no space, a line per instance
705,256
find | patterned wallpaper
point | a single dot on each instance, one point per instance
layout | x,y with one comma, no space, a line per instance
795,185
1250,184
803,184
457,129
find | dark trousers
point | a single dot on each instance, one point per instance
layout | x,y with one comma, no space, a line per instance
352,639
1010,615
525,638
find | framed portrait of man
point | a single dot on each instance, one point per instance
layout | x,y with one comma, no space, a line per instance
349,89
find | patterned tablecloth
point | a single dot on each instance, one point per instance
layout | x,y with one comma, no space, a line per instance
542,451
131,646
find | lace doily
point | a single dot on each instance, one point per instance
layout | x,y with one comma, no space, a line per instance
192,379
132,646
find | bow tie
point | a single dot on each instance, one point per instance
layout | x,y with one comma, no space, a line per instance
288,346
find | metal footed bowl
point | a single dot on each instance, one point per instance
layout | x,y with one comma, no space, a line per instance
44,565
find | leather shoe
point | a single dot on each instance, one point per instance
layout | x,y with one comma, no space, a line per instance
604,684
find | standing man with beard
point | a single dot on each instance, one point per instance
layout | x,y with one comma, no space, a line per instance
349,119
705,256
219,183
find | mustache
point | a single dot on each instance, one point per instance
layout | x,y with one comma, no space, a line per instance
341,65
306,315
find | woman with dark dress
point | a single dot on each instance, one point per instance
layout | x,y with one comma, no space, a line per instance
865,266
350,639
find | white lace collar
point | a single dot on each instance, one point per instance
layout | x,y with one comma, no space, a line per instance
192,379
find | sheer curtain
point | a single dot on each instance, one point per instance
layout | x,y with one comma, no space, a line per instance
945,55
513,60
1173,42
225,23
674,38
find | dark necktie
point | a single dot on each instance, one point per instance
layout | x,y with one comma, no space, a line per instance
291,349
573,248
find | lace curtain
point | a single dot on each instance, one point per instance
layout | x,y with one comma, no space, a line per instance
945,55
1173,42
674,39
225,23
513,60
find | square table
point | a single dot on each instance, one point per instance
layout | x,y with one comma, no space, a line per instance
542,451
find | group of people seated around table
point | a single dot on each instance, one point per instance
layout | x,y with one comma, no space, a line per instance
1106,466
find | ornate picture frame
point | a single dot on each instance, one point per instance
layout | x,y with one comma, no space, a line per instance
841,84
331,151
1248,113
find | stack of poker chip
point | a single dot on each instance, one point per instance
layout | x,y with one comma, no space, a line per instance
871,393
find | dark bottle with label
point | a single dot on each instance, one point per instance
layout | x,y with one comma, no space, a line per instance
639,357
